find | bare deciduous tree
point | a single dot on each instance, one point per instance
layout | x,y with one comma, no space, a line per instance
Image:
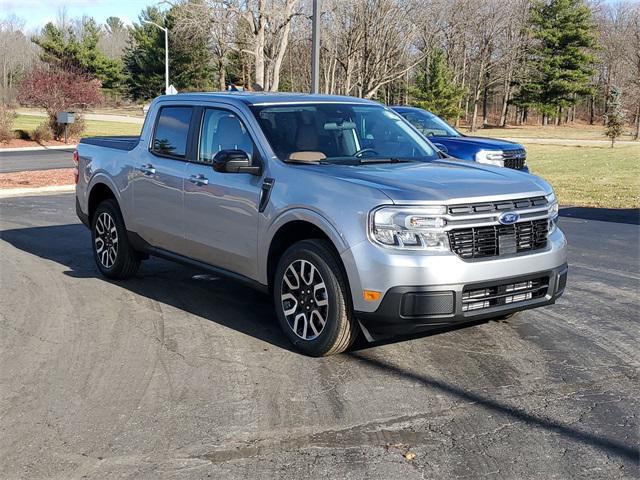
17,55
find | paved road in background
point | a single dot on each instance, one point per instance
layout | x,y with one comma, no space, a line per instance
568,142
174,375
35,160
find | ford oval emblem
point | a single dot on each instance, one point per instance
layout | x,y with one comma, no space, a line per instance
509,218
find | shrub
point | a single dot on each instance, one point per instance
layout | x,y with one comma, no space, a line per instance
57,90
42,133
77,128
7,117
22,134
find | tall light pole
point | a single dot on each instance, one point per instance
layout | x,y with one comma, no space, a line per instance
315,47
166,54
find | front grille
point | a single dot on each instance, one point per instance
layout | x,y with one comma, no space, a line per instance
515,163
515,159
480,242
474,298
497,207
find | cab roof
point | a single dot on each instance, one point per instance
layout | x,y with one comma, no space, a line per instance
267,98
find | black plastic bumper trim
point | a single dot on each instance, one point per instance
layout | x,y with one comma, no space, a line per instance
84,218
390,320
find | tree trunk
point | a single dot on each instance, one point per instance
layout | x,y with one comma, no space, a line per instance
258,53
505,103
277,64
476,96
462,86
474,118
636,136
222,81
592,108
485,106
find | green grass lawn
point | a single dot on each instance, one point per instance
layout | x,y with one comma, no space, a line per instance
564,132
596,176
94,127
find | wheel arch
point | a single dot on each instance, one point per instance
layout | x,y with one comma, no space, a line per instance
98,193
294,227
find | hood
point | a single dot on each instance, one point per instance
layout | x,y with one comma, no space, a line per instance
440,181
480,142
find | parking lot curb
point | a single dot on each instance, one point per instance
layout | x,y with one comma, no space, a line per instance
33,191
39,148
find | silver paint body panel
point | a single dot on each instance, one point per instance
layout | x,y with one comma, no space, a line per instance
219,223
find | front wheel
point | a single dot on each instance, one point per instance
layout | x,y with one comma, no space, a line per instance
312,299
112,252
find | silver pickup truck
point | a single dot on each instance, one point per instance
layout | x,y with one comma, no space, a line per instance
336,206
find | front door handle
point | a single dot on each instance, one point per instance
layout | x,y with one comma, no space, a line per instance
147,169
199,179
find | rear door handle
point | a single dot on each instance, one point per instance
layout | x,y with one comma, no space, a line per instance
199,179
147,169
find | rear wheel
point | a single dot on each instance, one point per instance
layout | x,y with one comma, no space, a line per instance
312,299
112,252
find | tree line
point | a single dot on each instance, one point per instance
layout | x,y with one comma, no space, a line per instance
477,62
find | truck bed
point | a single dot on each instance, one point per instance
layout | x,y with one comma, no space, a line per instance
118,142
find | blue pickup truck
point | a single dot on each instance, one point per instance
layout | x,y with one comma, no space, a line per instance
490,151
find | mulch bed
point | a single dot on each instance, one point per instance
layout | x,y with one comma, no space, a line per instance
37,178
17,142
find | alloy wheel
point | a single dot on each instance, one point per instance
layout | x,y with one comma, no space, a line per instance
304,299
106,240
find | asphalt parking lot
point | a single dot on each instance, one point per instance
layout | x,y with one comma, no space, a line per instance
178,375
35,160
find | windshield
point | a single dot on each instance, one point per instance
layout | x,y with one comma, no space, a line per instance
334,132
429,124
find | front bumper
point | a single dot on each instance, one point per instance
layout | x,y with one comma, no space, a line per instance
408,310
395,273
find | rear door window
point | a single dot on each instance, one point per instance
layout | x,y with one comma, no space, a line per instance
172,131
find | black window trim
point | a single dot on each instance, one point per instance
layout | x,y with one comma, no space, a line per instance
189,143
256,158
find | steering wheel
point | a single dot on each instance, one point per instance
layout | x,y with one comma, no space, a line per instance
362,151
430,134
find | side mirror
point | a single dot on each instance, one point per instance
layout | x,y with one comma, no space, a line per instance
441,147
234,161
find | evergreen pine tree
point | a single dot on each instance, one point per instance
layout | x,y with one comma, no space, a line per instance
189,59
614,119
79,52
435,89
559,61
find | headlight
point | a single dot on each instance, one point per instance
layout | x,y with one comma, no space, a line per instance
553,212
418,228
490,157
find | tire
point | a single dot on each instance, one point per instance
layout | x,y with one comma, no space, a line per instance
112,252
319,321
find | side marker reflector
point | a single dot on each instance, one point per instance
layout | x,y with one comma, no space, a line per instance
370,295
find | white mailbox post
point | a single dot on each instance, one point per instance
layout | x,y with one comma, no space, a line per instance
65,118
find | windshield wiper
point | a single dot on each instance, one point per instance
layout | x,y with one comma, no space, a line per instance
365,161
384,160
